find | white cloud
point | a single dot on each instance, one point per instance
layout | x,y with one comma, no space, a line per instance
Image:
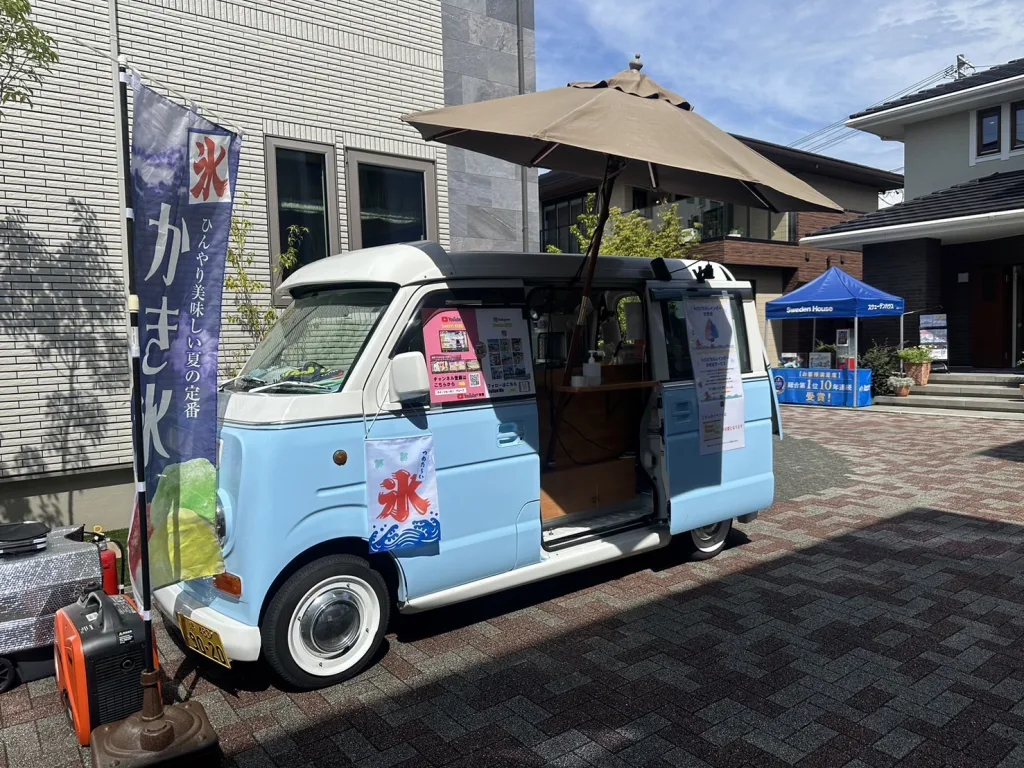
775,70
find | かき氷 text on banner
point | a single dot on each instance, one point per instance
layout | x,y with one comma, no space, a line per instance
714,351
183,173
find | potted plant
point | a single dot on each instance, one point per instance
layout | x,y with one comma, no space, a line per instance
918,362
900,385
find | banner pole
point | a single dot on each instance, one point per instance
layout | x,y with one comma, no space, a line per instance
133,314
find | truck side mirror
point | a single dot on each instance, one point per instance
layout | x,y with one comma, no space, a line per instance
409,380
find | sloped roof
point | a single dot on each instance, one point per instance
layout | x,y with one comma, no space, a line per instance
991,75
998,192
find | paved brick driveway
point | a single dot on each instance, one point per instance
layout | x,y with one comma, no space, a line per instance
873,617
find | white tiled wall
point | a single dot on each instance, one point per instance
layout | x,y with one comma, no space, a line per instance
340,72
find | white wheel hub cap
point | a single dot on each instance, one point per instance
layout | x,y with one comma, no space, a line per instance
333,626
708,538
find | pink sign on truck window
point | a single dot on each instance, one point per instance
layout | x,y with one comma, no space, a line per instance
474,354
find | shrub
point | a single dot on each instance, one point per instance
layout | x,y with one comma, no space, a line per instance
883,361
915,355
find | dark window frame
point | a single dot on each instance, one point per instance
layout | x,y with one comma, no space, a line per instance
271,145
1016,118
980,117
353,157
547,237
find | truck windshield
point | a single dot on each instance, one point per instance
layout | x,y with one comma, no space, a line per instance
314,345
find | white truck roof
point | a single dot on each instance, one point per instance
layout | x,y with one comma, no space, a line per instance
413,263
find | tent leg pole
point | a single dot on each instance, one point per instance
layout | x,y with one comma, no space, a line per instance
814,334
901,340
855,348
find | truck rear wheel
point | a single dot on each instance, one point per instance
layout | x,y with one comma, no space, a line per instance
326,621
706,542
8,674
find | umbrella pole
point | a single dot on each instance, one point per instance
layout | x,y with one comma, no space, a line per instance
613,167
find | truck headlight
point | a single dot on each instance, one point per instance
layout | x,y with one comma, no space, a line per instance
221,523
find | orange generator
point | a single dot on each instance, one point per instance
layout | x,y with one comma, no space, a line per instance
98,649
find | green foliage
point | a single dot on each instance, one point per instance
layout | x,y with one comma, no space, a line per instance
630,234
883,361
915,355
26,52
251,315
289,258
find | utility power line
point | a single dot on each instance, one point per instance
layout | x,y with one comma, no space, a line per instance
837,132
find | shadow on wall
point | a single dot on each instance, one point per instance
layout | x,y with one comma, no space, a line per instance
896,641
63,317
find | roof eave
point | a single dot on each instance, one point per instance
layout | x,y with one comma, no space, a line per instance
888,123
980,226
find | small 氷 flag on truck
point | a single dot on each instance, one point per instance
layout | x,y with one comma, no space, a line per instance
184,169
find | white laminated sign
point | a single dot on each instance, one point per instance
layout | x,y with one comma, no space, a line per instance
716,372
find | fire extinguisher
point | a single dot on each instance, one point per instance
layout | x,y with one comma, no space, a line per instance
108,562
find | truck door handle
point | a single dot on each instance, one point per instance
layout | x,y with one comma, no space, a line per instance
510,433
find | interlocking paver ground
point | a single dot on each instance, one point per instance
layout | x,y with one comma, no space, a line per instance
872,617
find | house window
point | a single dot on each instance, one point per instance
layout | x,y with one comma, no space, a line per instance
1017,123
557,219
988,131
302,201
391,200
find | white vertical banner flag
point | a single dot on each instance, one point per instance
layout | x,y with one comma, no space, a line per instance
401,491
716,372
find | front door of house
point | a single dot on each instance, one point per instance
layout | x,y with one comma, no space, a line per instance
991,318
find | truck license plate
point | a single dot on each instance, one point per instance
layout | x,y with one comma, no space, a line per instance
203,640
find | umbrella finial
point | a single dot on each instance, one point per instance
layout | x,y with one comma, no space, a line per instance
636,64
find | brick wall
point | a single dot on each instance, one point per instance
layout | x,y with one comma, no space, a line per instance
337,73
802,264
808,222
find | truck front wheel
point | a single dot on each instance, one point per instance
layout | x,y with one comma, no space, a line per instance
326,621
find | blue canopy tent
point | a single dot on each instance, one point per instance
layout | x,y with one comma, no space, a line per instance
836,294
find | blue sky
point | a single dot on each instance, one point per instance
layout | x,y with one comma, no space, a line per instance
776,69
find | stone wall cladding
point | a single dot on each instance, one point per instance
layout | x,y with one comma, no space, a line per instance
480,62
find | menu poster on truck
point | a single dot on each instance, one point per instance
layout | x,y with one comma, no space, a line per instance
474,354
716,373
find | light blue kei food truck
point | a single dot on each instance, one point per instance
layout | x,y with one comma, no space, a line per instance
466,350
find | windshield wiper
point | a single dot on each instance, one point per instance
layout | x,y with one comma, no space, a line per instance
252,381
298,384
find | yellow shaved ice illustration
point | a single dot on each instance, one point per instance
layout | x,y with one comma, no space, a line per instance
183,544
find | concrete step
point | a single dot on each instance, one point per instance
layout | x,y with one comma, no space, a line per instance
972,378
955,403
936,389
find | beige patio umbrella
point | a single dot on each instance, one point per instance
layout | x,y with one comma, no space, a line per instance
627,127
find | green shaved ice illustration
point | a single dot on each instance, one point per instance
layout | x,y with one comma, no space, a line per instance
185,549
192,485
183,544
